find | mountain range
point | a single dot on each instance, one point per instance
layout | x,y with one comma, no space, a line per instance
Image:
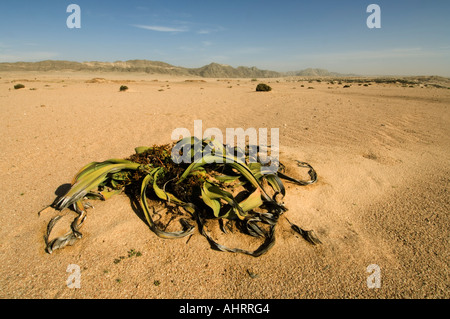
213,70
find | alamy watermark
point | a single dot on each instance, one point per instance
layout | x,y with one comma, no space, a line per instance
374,279
74,279
374,20
256,150
74,20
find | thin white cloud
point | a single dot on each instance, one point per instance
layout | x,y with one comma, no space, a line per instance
182,26
160,28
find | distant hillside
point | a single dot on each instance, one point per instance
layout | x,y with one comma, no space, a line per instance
212,70
119,66
316,73
215,70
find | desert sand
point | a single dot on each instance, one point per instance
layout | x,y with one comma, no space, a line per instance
382,154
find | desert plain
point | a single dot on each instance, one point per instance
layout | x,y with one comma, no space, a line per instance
381,152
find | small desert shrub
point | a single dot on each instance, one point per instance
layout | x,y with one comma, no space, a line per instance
261,87
19,86
346,86
123,88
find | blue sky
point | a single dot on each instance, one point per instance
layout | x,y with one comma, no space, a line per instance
414,37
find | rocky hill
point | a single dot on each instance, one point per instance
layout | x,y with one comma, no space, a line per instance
213,70
316,73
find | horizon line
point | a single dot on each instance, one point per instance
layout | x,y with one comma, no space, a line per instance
281,73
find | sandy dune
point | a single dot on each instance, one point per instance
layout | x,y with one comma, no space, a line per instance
382,153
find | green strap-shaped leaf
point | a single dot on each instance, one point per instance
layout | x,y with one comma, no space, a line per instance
308,235
108,194
312,173
276,183
88,182
144,205
226,178
89,168
213,192
265,246
162,194
232,162
252,201
255,168
214,204
142,149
